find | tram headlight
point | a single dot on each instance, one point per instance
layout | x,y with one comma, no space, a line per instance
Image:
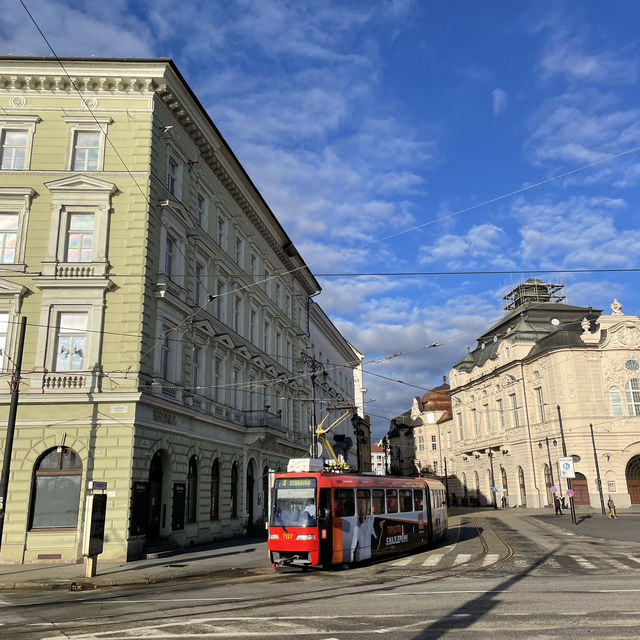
306,536
274,536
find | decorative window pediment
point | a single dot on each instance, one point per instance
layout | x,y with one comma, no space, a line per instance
225,339
258,361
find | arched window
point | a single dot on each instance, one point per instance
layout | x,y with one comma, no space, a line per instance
56,490
633,397
234,490
192,490
616,401
215,491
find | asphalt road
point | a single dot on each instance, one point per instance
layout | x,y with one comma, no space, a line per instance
487,580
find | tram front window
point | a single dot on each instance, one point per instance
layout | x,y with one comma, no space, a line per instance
294,504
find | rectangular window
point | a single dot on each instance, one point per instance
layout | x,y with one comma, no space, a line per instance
418,500
460,427
220,301
200,209
406,500
254,267
277,294
195,368
434,444
278,353
420,443
217,379
80,238
221,232
8,237
70,343
501,415
378,501
435,466
237,314
197,285
267,337
474,421
514,409
487,417
343,503
540,401
240,252
235,389
14,149
392,501
86,150
253,323
172,175
165,353
169,250
363,497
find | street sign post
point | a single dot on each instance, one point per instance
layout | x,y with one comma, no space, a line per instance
566,468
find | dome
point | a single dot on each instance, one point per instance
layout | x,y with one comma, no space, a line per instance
437,399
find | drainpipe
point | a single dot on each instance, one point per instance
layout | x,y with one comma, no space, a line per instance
526,413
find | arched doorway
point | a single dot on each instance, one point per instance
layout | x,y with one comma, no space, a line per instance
155,497
505,485
580,489
250,492
632,475
523,490
548,483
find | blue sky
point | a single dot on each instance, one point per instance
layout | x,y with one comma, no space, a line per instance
367,124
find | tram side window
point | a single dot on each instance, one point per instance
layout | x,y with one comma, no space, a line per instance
392,501
418,502
344,503
378,501
364,502
406,500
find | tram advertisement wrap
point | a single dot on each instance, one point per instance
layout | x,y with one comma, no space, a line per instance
366,536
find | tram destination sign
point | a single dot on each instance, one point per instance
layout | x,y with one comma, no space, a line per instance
296,483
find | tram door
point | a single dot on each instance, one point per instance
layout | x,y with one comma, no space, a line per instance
324,527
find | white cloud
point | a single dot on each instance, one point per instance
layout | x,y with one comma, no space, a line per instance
566,56
81,30
578,232
481,242
500,101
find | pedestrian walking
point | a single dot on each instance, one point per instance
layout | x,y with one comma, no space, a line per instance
564,504
612,508
558,505
504,502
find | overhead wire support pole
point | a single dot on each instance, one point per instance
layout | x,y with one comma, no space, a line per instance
598,479
564,453
14,386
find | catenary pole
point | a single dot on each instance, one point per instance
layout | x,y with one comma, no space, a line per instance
598,480
564,453
11,426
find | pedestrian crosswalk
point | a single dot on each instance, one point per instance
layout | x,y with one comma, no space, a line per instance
446,557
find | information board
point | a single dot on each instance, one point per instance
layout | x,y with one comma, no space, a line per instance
96,513
566,468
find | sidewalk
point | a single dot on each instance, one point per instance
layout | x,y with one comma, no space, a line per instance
589,522
247,557
234,558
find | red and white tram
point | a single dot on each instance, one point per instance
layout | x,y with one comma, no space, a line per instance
320,518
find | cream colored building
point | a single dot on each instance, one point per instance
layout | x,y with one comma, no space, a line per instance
543,364
167,313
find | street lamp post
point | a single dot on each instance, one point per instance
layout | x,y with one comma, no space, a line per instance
493,482
385,445
598,480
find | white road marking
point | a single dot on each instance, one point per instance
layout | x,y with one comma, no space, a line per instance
433,560
462,558
402,563
490,559
616,563
583,562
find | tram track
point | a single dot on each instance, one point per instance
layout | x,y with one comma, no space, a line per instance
107,624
